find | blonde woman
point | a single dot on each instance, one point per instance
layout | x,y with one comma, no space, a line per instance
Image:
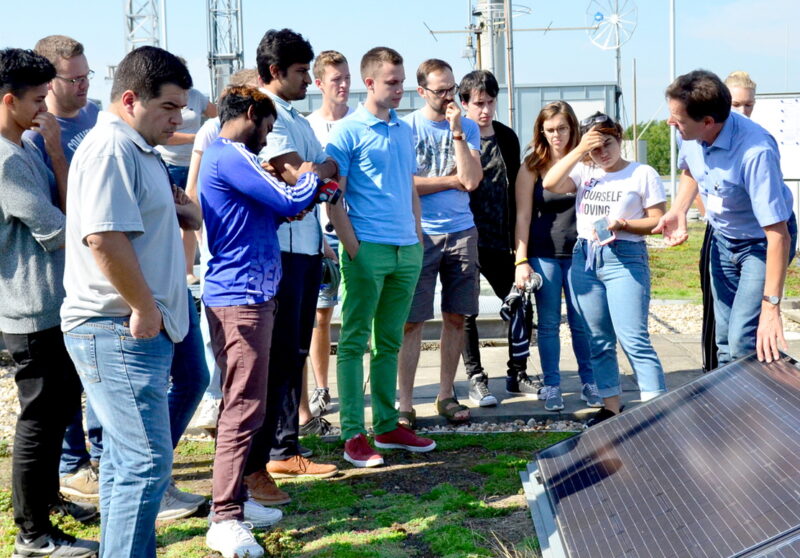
743,92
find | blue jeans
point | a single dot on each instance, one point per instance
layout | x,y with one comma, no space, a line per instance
73,448
189,374
214,389
738,272
555,279
126,381
614,300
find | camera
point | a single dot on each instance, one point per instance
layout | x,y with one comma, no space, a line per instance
327,191
534,283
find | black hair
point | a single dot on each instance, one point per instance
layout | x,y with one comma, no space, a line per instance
237,100
282,48
479,80
22,69
703,94
145,69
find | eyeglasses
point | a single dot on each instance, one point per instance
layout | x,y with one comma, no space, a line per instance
79,79
443,92
560,131
596,119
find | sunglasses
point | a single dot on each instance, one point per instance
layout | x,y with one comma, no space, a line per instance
597,119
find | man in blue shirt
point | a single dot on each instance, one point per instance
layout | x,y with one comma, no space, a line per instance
242,205
736,166
67,100
380,254
448,168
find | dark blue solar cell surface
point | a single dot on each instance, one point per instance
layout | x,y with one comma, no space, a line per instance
709,470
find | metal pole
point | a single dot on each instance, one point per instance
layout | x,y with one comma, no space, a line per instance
635,117
164,25
490,24
673,156
509,61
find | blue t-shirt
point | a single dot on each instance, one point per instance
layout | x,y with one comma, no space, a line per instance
377,157
446,211
73,130
241,205
740,179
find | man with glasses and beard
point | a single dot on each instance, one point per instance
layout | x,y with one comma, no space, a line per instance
448,168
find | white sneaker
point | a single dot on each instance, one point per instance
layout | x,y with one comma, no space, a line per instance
206,414
260,516
194,499
233,539
173,508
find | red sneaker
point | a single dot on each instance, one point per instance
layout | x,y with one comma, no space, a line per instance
403,437
358,452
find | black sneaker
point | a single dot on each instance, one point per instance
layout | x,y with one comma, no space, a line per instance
600,416
522,384
80,511
479,391
55,544
316,426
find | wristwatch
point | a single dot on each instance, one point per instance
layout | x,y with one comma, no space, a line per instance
774,300
458,136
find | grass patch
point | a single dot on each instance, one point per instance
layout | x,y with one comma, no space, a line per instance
453,502
453,541
502,474
674,271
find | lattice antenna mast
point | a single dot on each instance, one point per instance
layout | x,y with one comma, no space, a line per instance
141,24
225,54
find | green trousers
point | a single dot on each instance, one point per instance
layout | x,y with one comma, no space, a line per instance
377,287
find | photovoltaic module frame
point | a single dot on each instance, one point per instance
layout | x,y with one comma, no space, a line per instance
711,469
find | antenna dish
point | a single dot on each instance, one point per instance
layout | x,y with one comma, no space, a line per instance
612,22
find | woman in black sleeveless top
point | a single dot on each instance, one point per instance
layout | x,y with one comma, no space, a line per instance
545,236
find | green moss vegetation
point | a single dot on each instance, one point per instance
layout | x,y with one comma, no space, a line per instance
674,271
462,500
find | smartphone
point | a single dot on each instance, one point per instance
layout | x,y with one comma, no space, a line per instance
604,236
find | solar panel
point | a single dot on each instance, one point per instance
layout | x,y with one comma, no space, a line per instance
711,469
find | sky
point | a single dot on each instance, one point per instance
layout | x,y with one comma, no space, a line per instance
718,35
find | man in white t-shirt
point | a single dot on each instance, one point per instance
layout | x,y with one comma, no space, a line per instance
332,77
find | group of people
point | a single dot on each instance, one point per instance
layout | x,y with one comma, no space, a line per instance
94,291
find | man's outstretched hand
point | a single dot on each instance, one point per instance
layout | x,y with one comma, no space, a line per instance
673,227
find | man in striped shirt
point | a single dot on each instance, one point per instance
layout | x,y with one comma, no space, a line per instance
242,206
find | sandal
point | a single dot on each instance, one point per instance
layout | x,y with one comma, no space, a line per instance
449,408
407,418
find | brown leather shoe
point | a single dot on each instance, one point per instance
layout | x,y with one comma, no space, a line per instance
264,490
300,467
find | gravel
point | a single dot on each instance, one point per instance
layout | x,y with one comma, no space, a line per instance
666,317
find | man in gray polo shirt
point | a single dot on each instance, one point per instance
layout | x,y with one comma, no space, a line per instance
125,302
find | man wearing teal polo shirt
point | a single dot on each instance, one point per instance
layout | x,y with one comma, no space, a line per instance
380,254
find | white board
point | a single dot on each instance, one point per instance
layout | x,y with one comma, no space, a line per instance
780,115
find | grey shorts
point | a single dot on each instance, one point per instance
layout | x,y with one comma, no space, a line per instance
454,258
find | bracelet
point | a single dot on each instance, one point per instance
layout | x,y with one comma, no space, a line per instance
520,261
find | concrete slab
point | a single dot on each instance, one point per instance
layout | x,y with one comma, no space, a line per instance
680,356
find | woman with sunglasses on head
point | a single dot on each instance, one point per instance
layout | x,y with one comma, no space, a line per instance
545,237
617,203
